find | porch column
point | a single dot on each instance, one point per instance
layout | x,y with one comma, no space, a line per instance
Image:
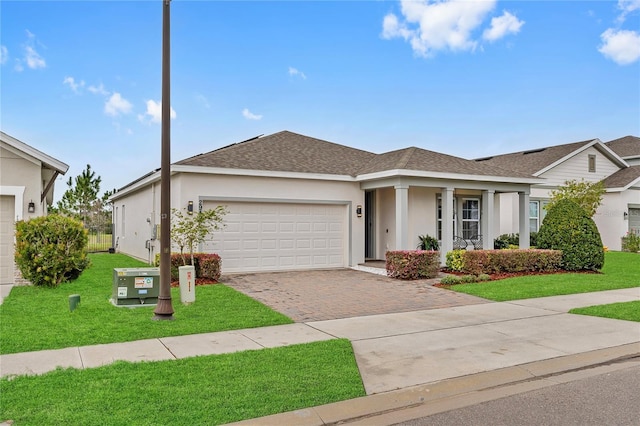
523,213
486,222
402,217
446,245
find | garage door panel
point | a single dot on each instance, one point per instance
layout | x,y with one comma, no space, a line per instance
273,236
7,226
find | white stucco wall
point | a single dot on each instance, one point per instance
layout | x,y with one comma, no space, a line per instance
195,187
610,218
18,171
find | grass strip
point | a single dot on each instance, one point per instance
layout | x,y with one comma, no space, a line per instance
628,311
203,390
621,270
35,318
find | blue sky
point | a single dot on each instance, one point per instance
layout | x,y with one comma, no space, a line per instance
81,80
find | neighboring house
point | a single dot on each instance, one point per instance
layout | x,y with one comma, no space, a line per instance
27,179
297,202
617,163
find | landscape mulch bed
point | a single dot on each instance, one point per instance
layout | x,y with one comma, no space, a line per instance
505,275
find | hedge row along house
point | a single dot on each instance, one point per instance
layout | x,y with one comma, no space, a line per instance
27,183
297,202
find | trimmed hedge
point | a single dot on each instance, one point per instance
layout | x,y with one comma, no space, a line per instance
207,265
569,228
412,264
478,262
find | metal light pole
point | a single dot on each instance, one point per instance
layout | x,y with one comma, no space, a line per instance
164,309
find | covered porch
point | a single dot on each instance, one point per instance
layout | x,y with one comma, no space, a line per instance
399,209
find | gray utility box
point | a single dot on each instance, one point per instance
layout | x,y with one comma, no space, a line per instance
135,286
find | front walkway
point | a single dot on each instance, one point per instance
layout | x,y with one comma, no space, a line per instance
343,293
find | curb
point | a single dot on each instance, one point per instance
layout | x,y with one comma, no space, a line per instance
423,400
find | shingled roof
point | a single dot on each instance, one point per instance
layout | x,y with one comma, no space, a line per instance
625,147
291,152
623,177
429,161
534,160
285,152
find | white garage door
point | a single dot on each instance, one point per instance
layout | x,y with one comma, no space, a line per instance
280,236
6,238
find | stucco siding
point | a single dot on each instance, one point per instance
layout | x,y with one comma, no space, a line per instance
18,171
422,213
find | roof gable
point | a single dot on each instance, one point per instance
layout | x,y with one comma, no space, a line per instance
23,149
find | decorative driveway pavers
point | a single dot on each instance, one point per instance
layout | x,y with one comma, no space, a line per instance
318,295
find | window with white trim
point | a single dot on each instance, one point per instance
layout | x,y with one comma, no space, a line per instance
534,216
440,218
470,218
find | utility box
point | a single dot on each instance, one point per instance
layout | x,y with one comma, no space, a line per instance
187,284
135,286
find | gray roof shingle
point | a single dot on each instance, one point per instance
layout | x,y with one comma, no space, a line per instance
534,160
622,177
627,146
286,152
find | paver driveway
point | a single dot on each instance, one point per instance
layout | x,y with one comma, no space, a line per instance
343,293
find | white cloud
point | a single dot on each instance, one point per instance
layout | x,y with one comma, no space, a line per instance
31,56
154,110
431,26
4,55
71,82
98,90
116,105
502,26
621,46
294,72
627,6
250,116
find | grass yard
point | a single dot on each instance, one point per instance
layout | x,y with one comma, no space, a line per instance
34,318
629,311
193,391
621,270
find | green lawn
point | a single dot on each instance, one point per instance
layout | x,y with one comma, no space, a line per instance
621,270
194,391
629,311
34,318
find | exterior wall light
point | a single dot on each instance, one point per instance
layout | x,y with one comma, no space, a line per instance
31,207
190,207
359,211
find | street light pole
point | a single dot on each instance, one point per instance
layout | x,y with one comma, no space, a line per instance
164,309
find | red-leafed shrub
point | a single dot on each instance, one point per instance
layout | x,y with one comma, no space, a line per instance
506,261
207,265
412,264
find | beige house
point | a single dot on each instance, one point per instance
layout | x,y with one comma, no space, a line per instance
617,163
297,202
27,179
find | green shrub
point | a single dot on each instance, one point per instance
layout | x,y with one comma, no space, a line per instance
512,241
428,242
504,261
450,280
455,260
412,264
631,242
483,278
569,228
51,249
466,279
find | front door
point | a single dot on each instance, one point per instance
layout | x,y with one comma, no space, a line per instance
369,219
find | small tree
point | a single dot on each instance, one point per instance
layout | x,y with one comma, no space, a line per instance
190,229
587,195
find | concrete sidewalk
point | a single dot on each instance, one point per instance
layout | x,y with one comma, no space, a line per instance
496,341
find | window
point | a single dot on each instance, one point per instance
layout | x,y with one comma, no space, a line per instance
592,163
470,218
440,218
122,223
534,216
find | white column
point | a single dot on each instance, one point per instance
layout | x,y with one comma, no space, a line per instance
523,198
402,217
447,224
486,221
